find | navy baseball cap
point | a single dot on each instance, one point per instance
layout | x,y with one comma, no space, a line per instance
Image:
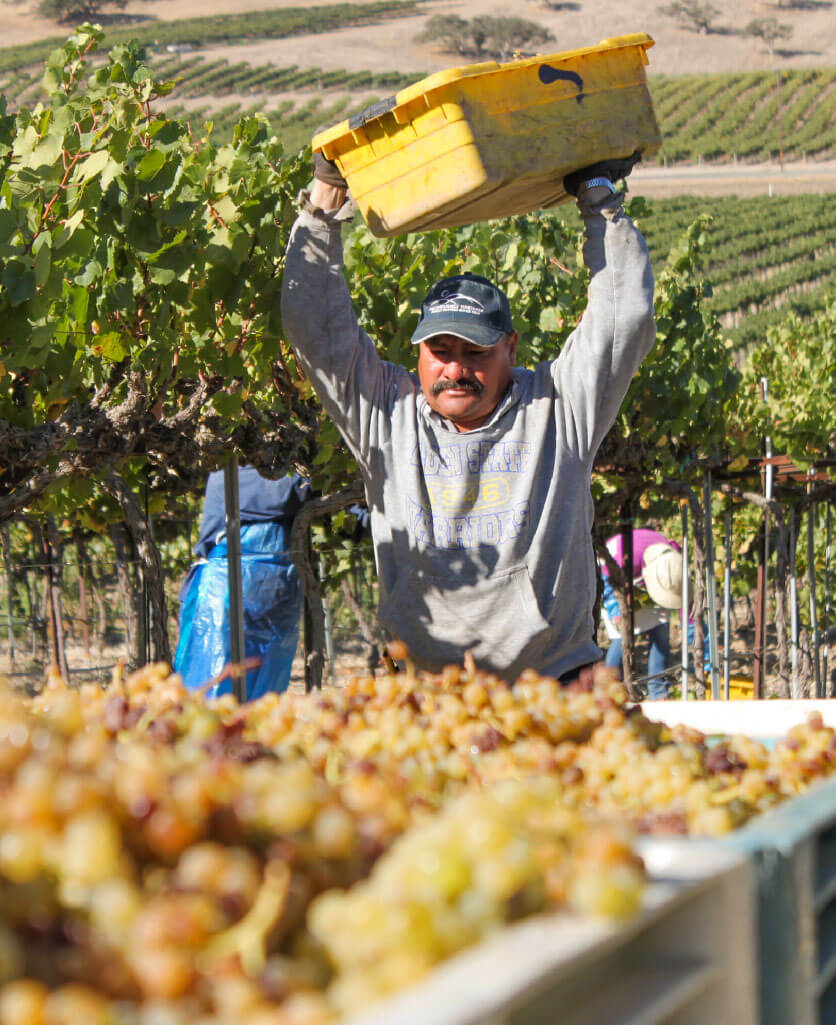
467,306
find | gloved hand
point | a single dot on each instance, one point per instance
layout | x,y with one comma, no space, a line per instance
611,169
326,171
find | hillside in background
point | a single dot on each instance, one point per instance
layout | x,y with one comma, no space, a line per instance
392,46
305,67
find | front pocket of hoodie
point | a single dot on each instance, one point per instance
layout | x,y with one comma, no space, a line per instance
496,619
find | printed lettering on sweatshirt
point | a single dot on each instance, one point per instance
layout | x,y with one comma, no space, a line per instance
471,494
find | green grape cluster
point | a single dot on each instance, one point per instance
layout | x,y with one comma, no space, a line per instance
489,858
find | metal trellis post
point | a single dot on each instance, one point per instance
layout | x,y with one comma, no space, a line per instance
763,596
81,561
811,582
236,596
828,609
7,552
793,605
684,612
711,586
628,656
329,626
727,606
307,627
146,595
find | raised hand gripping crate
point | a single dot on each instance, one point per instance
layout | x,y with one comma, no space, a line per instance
491,140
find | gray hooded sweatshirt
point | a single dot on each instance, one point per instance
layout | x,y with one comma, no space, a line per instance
482,539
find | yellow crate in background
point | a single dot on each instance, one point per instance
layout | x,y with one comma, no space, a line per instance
741,688
491,140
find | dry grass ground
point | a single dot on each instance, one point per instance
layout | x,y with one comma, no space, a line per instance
390,45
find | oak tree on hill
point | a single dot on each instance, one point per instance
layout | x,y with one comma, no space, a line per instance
692,15
73,12
769,30
485,36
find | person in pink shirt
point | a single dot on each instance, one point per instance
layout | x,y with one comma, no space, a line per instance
657,577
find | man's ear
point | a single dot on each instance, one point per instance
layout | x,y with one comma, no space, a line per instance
513,338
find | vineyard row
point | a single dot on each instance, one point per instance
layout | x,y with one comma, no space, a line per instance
751,116
711,116
764,256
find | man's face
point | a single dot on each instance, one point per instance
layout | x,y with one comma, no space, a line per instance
465,382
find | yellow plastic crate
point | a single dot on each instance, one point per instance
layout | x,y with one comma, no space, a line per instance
491,140
741,688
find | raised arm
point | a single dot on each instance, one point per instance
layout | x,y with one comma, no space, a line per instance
351,380
617,330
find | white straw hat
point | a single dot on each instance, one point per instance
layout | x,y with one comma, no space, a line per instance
662,575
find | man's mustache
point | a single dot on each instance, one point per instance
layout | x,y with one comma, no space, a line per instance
462,384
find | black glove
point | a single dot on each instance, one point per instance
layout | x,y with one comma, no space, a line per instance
325,170
612,169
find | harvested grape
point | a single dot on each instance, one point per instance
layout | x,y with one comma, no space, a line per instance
165,858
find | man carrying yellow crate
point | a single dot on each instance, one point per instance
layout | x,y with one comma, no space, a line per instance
477,472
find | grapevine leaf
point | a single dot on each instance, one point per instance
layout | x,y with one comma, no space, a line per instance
66,230
91,166
111,347
42,250
151,164
18,281
8,225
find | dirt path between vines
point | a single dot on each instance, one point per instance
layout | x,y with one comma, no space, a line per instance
735,179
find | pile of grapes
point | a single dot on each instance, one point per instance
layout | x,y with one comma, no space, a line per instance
164,859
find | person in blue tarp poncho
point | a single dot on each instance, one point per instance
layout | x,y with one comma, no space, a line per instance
271,590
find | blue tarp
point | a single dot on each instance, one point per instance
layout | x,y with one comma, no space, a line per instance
271,590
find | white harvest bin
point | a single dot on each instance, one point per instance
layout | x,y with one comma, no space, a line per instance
764,720
688,958
793,855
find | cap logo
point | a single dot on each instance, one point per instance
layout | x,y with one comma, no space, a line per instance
456,302
467,305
